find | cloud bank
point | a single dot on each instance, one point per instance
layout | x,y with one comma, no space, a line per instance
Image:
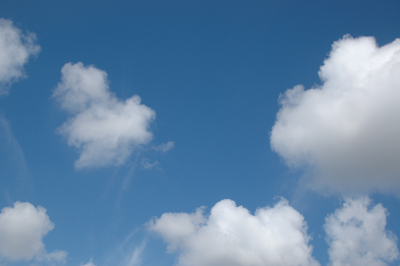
104,129
15,50
22,229
356,235
232,236
345,132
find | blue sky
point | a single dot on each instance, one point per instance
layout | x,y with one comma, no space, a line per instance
120,120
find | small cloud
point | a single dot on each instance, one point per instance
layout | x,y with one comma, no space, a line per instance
90,263
58,256
15,50
164,147
22,229
147,165
356,234
104,129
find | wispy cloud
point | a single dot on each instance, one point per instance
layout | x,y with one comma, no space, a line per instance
164,147
128,252
90,263
104,129
147,165
12,161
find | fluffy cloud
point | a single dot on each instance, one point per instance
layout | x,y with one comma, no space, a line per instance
357,236
345,132
103,128
15,50
22,229
230,235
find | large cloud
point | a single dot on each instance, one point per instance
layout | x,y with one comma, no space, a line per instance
22,229
345,132
232,236
357,236
15,50
104,129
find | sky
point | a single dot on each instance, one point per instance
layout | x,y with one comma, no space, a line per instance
199,133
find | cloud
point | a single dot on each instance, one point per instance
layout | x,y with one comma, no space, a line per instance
164,147
345,132
12,158
104,129
147,165
134,258
90,263
22,229
128,252
356,235
232,236
15,50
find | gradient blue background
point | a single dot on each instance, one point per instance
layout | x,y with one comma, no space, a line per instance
213,71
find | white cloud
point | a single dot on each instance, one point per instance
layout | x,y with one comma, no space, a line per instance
232,236
164,147
345,132
147,165
103,128
22,229
90,263
15,50
357,236
59,256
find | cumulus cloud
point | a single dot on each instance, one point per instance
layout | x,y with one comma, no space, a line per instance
15,50
22,229
356,235
104,129
231,235
345,132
